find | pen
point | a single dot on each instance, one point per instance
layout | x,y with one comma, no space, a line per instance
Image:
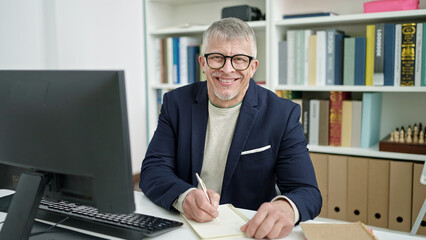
204,188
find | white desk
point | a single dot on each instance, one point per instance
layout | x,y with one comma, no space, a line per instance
145,206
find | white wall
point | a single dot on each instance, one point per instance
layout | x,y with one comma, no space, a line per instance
80,34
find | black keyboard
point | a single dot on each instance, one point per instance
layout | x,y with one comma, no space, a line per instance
127,226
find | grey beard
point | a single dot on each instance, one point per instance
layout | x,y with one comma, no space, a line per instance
225,97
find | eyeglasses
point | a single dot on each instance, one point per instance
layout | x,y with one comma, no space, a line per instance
239,62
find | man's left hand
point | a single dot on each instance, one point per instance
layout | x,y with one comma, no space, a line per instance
272,220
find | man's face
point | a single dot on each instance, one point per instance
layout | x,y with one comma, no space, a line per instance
227,86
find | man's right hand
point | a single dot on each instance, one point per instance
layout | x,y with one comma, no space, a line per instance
197,207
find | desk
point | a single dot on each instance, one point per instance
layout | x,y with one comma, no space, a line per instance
145,206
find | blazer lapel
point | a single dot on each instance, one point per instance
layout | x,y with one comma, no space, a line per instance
245,123
199,126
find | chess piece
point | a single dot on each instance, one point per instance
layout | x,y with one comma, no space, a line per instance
402,135
416,134
396,135
391,139
422,137
409,138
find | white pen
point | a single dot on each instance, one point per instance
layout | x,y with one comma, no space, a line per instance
204,188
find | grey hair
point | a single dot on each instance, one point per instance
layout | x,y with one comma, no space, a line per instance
230,29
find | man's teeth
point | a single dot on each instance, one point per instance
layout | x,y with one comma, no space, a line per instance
226,80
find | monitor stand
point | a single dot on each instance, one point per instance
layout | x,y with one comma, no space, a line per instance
23,208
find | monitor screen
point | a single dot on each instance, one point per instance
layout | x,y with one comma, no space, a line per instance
64,136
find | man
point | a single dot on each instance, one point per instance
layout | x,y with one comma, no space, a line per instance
241,138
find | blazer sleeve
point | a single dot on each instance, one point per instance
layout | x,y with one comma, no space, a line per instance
158,179
295,173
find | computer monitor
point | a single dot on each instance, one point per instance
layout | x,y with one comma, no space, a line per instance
67,133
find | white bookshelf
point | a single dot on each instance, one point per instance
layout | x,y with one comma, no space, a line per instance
401,105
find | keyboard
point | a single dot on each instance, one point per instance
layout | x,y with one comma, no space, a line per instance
127,226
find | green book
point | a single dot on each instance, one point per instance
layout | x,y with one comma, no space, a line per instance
349,61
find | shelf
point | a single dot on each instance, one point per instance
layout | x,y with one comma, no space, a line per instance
362,152
197,29
361,18
345,88
166,86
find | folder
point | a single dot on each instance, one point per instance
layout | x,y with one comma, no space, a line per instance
378,193
337,187
400,190
419,196
320,162
357,189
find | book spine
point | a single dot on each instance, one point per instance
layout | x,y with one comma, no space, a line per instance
356,124
282,63
193,52
321,58
299,61
291,35
419,46
349,62
308,33
346,134
176,65
312,60
423,83
338,59
169,60
369,57
335,118
408,54
313,121
305,118
389,54
370,123
330,56
360,46
397,73
323,134
379,42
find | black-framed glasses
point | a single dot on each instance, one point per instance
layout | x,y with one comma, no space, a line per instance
239,62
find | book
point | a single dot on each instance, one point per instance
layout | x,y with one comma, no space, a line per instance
282,62
346,133
369,57
308,34
379,42
291,35
193,64
423,81
349,61
334,57
305,117
228,225
306,15
397,63
408,53
176,58
418,61
356,123
184,43
323,133
371,116
389,54
299,60
321,58
314,121
312,61
390,5
360,48
335,119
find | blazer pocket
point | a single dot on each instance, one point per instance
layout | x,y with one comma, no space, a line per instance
256,150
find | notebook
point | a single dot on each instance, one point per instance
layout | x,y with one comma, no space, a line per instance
230,221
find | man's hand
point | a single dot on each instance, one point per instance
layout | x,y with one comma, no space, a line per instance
272,220
197,207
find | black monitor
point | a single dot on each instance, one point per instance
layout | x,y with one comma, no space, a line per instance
67,133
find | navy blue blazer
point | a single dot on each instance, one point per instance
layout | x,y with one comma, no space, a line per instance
176,150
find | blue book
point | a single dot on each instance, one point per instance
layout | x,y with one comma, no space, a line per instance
176,65
370,122
360,44
193,65
389,54
305,15
334,57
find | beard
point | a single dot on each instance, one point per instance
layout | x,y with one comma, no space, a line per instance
223,95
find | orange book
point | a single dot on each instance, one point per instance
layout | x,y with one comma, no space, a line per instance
335,118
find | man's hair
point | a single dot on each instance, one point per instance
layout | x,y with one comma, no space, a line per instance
230,29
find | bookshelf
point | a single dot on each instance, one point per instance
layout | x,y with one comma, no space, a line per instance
168,18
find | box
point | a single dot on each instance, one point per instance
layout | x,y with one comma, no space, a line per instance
387,146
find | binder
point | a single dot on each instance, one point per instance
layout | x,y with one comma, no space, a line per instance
337,187
419,196
378,193
320,162
400,190
357,189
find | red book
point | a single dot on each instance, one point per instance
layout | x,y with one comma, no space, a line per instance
335,118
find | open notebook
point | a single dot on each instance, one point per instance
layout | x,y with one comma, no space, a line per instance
230,221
